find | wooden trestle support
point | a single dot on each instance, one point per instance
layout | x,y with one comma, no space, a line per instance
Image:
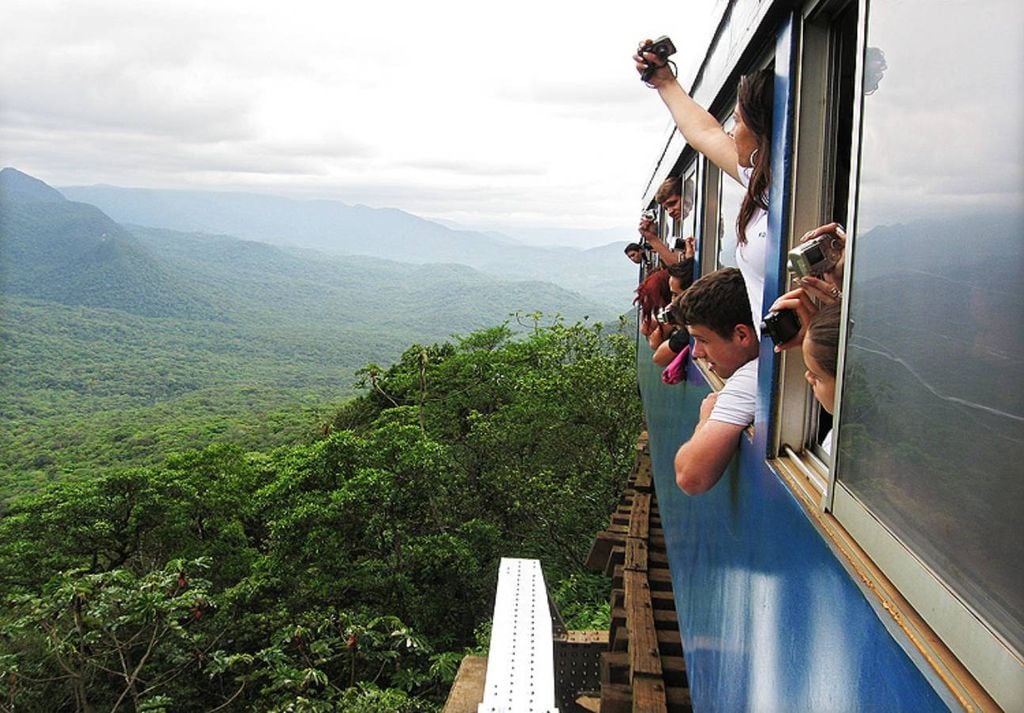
643,669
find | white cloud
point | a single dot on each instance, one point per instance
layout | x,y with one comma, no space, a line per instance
517,113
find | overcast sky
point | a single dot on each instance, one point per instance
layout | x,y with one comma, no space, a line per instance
490,114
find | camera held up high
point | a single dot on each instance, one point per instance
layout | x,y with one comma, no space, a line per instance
662,48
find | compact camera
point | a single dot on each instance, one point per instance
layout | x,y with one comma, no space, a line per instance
664,315
814,257
649,214
781,326
662,48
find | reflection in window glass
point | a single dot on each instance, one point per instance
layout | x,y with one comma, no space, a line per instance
687,224
932,433
729,200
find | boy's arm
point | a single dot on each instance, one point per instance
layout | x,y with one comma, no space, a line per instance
701,461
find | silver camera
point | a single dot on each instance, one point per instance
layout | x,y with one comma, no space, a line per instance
815,257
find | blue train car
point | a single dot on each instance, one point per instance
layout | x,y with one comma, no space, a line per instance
887,576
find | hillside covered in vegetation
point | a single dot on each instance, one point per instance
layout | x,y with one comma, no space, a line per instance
348,572
121,344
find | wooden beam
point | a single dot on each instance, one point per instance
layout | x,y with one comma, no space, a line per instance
643,639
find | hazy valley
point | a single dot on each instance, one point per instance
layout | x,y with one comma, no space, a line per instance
121,341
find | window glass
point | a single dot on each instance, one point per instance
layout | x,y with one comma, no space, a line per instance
688,223
729,201
932,423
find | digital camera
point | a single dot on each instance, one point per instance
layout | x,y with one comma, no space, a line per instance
664,315
649,214
662,48
814,257
781,326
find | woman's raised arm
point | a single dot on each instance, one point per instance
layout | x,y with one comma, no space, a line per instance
700,129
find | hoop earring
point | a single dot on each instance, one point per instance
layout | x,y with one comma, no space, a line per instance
753,157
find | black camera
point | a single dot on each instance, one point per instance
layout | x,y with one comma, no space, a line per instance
662,48
665,316
781,326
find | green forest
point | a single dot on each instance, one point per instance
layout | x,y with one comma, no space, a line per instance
122,344
334,559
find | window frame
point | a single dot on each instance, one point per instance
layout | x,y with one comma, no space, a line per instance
817,145
710,217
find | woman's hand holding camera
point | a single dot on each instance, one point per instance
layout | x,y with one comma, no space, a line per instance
828,287
800,302
689,248
662,73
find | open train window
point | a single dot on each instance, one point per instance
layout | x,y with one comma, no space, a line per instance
724,198
671,231
823,142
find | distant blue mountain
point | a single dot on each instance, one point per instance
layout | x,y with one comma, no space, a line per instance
334,227
63,251
58,250
16,186
331,226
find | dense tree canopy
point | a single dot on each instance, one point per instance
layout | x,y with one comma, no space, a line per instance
347,572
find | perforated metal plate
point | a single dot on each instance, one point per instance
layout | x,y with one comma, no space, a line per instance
520,662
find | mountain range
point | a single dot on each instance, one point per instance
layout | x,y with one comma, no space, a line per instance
122,340
600,273
72,252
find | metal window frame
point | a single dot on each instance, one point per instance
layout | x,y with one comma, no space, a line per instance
795,428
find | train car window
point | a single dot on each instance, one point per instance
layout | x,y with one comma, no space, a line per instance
688,223
931,417
730,198
710,216
821,195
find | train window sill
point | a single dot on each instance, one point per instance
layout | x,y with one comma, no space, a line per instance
802,477
804,480
716,382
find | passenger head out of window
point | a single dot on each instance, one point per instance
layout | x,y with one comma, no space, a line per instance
821,352
822,263
718,317
752,134
680,277
716,311
745,154
676,197
653,296
634,252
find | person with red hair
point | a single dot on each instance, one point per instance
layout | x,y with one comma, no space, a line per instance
653,295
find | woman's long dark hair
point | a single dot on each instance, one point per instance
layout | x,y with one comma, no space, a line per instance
754,98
